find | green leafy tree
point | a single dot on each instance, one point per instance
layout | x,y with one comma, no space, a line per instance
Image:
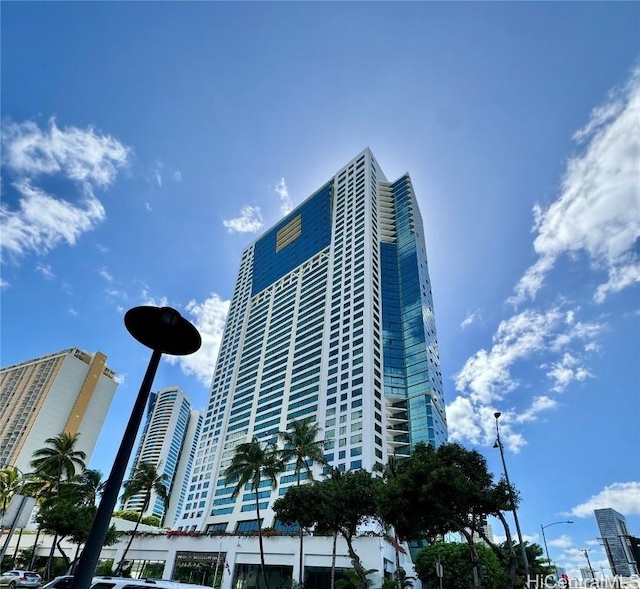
70,514
448,489
127,514
152,520
458,567
300,444
10,483
252,462
145,480
58,461
539,566
339,504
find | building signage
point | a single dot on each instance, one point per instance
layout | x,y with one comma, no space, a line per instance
199,557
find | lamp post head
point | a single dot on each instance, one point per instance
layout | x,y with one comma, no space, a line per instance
496,444
497,414
163,329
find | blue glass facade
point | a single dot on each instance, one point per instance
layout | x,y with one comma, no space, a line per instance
410,360
270,265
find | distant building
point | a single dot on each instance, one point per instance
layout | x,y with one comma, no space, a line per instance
69,391
168,441
617,542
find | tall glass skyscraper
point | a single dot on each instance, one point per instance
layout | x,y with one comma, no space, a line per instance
331,320
169,440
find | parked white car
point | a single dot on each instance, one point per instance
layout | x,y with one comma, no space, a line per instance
14,579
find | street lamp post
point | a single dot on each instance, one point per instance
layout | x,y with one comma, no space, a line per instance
523,551
544,539
163,330
586,555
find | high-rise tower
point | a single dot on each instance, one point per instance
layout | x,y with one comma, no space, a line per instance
168,442
616,539
69,391
331,320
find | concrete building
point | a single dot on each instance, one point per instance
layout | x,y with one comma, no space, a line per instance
168,441
69,391
331,320
616,539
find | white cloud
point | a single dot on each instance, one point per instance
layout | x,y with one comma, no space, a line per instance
598,209
106,275
249,221
42,221
469,319
3,284
563,541
209,317
177,176
81,155
120,378
72,311
286,206
566,370
148,206
45,270
152,301
476,423
623,497
539,404
486,376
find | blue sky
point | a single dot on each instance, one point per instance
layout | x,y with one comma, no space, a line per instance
146,144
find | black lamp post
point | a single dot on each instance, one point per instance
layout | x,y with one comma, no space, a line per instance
544,539
165,331
498,444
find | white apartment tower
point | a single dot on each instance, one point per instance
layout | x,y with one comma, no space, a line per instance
168,442
331,320
69,391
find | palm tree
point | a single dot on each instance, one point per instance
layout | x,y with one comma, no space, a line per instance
92,485
58,460
300,443
251,462
10,484
145,480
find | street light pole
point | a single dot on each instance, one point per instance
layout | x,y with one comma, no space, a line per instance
163,330
586,555
545,539
525,560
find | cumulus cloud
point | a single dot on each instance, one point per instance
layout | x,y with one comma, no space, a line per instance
209,316
598,209
556,336
566,370
83,155
3,284
623,497
476,423
563,541
286,206
486,376
249,221
41,221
